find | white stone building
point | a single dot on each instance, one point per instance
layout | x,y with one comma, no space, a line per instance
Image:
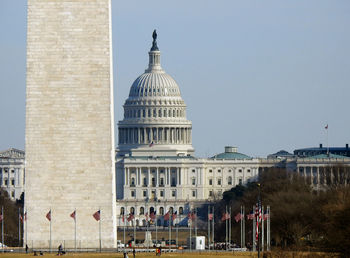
12,172
156,167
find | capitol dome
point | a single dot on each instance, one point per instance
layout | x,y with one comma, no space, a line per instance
155,114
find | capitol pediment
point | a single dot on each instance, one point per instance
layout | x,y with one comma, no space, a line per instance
12,153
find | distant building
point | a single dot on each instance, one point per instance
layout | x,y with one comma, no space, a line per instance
282,154
308,152
12,172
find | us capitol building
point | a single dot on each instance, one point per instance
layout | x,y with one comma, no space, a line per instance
155,165
156,170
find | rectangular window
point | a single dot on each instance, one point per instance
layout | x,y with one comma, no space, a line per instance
210,193
210,181
219,181
240,170
194,193
144,193
240,181
12,182
219,170
132,193
193,170
193,181
161,193
6,182
173,193
210,170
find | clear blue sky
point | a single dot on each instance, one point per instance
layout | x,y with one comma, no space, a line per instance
260,75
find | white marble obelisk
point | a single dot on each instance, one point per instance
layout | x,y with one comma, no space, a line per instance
69,124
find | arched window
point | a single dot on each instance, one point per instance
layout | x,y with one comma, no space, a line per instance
171,210
174,113
154,112
151,210
229,180
181,210
149,113
161,211
122,211
160,113
142,211
132,210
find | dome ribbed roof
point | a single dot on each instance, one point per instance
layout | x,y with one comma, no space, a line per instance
154,84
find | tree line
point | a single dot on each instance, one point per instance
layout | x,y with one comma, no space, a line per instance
301,217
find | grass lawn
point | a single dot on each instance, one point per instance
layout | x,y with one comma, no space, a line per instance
176,255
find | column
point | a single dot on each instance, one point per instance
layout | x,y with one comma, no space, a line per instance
157,176
148,176
157,133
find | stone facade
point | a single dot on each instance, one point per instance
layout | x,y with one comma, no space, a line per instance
69,124
12,172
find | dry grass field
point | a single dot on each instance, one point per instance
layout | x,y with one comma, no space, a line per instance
179,255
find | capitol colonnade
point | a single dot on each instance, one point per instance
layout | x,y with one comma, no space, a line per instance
156,135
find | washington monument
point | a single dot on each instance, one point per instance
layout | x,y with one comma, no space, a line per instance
69,125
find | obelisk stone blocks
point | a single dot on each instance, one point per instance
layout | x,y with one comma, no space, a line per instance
69,124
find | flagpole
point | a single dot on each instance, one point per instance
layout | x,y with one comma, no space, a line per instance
262,229
2,227
169,225
327,141
75,229
99,224
225,228
134,218
254,230
50,229
190,231
124,229
156,228
195,224
213,238
243,227
19,227
268,229
208,228
229,229
25,219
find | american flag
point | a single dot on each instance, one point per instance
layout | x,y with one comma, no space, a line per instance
167,216
258,219
153,215
97,215
131,217
239,216
210,216
174,215
48,215
250,215
191,215
225,216
73,215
